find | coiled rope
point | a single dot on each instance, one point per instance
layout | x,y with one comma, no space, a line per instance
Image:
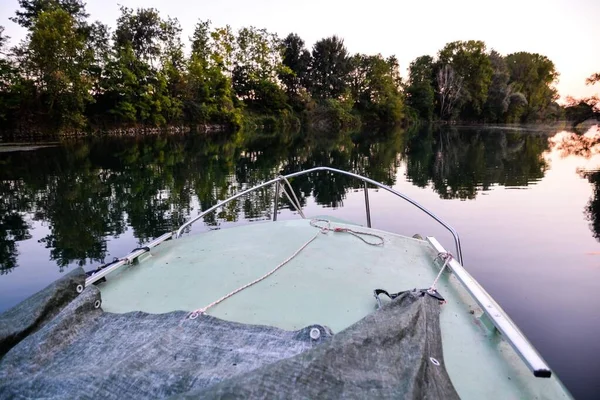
322,230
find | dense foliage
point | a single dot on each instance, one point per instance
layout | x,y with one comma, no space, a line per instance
468,83
72,75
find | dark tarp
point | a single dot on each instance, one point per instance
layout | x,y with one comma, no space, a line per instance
30,314
84,352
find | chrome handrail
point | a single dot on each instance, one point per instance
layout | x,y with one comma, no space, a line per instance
129,258
339,171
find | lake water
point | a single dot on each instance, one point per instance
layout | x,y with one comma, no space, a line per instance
525,201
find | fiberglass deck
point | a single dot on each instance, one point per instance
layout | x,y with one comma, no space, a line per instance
331,282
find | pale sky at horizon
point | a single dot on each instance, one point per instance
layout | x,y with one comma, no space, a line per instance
567,32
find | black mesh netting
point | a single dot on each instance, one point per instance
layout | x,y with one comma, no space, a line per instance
58,345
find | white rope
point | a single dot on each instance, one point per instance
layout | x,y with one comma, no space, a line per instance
446,257
194,314
322,229
313,222
295,202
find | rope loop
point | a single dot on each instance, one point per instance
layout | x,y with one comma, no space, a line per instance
324,229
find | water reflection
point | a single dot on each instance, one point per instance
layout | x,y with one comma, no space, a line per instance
85,192
459,163
584,145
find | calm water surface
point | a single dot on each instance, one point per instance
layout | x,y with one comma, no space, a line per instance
526,203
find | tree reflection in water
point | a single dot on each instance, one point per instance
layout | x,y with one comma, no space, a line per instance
459,163
86,192
585,145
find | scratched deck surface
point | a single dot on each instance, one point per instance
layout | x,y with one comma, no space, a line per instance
330,282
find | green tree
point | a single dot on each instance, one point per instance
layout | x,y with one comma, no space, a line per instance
172,70
297,59
223,49
498,99
208,91
470,61
420,94
256,63
57,59
98,47
534,76
580,110
9,82
374,85
329,69
142,30
32,9
144,81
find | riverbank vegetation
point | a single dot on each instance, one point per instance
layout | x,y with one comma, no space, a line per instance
72,75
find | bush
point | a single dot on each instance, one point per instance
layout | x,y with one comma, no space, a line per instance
333,114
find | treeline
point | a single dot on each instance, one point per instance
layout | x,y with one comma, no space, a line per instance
70,74
466,82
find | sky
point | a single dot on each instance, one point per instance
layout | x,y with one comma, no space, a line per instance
567,32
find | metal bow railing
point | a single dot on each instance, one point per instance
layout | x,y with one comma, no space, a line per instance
366,181
277,182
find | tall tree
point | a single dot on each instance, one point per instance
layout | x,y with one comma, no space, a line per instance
420,94
142,76
534,76
142,30
98,46
471,63
450,90
223,48
497,101
256,63
375,88
208,94
57,59
32,9
9,80
172,69
297,59
329,69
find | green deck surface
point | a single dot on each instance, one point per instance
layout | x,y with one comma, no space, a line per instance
331,282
